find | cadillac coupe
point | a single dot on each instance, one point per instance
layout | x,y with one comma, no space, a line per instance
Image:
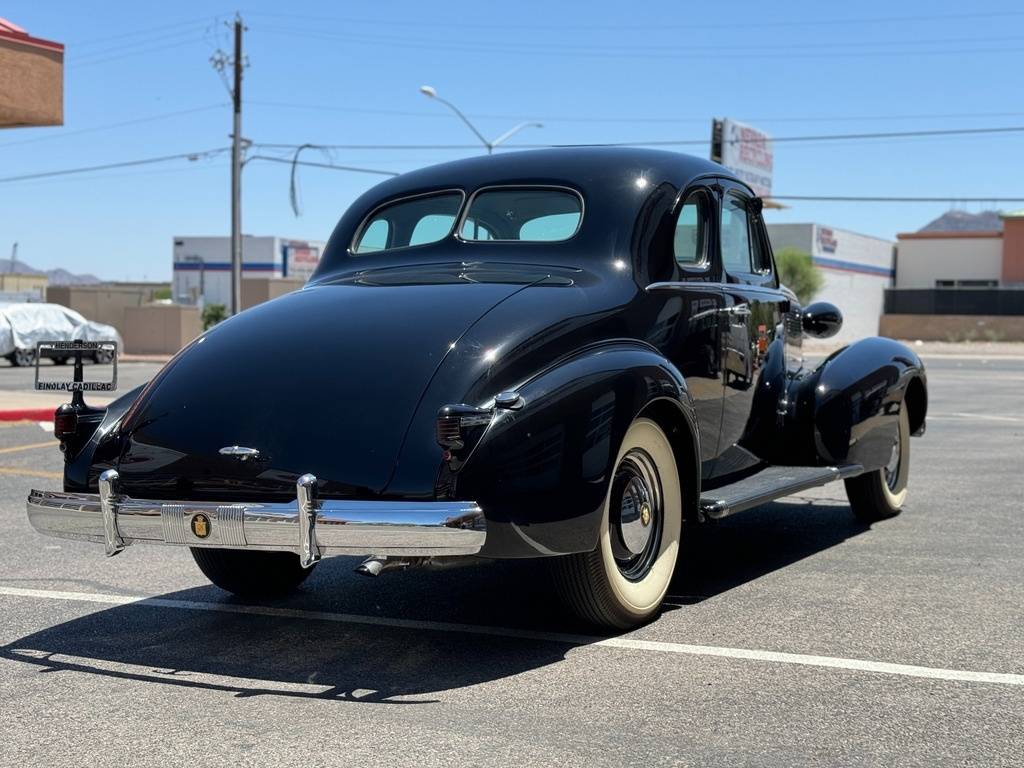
573,355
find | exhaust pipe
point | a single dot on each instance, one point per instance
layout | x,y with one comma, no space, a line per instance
377,564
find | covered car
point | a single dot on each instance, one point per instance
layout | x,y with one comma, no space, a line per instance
24,325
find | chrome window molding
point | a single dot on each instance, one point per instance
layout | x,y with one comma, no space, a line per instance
368,219
501,187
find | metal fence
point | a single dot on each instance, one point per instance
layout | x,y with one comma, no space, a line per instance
954,301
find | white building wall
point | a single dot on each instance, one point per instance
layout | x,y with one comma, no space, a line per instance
920,262
856,269
202,265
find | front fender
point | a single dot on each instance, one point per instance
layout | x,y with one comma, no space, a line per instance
541,472
847,409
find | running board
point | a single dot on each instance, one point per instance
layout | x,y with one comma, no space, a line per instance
770,484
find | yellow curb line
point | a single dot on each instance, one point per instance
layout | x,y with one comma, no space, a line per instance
16,448
31,472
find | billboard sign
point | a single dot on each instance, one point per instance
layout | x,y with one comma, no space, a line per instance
301,258
744,150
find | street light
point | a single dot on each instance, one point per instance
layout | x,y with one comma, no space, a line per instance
431,93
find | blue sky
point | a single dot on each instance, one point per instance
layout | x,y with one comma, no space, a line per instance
337,73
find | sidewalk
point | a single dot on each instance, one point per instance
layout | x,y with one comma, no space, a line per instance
37,406
988,349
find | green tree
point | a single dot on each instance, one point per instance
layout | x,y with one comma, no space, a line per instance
213,314
798,273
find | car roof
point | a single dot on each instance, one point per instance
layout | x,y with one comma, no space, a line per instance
582,167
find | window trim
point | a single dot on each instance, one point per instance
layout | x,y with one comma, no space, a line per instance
368,219
761,278
492,187
703,268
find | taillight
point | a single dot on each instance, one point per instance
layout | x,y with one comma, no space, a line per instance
459,427
65,422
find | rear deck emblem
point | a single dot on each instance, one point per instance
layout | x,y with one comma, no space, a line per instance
200,525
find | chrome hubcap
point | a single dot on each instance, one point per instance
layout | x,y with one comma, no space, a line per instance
892,468
635,514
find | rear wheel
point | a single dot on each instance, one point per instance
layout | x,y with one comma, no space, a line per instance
23,357
882,493
621,583
251,573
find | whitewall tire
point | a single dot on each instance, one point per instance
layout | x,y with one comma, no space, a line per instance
622,583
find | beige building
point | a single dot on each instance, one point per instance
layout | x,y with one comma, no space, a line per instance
13,282
31,79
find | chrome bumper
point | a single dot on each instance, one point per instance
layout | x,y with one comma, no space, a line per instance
310,528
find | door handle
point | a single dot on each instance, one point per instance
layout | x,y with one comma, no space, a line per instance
740,310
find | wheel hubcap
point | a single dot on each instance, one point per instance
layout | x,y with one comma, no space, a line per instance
892,468
635,514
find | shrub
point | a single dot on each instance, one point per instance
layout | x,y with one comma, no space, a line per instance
798,273
213,314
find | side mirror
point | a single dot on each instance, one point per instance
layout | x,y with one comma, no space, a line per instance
822,320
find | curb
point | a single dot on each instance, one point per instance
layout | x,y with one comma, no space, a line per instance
28,414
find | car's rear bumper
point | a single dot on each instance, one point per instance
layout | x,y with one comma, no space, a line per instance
307,526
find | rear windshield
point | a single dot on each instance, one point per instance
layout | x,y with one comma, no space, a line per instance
413,221
522,214
537,215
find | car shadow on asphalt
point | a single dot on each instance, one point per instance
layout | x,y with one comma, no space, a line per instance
255,654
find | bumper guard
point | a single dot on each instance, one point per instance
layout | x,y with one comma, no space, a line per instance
310,528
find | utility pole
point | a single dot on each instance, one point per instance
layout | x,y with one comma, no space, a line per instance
236,173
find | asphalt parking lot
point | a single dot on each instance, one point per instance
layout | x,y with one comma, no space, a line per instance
795,636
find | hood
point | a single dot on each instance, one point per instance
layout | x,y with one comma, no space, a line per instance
324,380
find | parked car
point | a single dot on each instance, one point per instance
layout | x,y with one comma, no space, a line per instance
517,356
22,326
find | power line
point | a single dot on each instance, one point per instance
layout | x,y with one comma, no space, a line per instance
513,49
681,142
314,164
142,32
859,199
111,126
392,22
639,119
203,155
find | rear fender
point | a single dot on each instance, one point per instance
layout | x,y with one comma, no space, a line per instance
848,408
541,472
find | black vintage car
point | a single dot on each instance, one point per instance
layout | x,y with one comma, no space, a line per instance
566,354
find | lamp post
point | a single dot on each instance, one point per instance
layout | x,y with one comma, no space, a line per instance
431,93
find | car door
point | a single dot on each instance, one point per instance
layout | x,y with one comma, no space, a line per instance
751,319
685,302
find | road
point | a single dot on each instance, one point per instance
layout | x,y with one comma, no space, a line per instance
795,636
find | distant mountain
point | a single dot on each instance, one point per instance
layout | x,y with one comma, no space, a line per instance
962,221
57,276
63,277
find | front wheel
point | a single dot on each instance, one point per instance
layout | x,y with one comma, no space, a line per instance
251,574
621,583
880,494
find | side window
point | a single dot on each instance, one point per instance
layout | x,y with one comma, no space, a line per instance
375,237
735,235
761,246
690,239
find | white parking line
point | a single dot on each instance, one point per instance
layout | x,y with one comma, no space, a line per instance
978,416
628,643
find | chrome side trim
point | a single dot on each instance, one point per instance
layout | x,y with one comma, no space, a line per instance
309,527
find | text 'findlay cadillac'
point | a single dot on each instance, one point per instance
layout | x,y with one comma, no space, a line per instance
563,354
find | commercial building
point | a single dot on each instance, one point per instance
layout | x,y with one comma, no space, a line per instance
202,265
16,286
31,79
961,277
856,268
